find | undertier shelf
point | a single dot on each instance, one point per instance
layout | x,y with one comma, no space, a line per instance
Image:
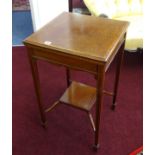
79,96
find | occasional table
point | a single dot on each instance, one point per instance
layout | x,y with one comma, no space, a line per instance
79,42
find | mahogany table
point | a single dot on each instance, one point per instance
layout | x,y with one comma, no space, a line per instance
79,42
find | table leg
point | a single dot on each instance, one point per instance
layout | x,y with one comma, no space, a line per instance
35,75
118,69
100,83
68,76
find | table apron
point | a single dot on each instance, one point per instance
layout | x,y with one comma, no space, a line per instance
116,50
66,60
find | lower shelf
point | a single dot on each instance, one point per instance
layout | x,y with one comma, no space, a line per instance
79,96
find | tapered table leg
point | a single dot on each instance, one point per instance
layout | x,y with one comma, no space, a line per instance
35,75
68,76
100,81
118,69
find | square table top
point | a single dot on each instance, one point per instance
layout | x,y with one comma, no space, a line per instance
80,35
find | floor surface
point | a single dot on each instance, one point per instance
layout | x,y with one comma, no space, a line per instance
69,130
